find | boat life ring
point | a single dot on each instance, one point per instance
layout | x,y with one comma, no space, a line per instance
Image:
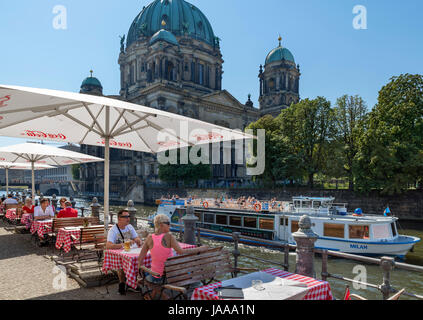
257,207
205,205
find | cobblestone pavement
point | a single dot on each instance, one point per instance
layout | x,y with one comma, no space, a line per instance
25,273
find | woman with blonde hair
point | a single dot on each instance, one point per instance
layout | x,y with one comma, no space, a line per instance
160,245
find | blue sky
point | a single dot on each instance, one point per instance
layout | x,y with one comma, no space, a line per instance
335,58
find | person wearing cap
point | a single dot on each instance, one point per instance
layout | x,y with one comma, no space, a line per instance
10,200
68,211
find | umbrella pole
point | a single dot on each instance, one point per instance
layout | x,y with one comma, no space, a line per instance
7,181
33,182
106,182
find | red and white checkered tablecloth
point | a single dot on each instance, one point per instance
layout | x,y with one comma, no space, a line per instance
318,289
64,238
41,227
26,220
11,214
119,259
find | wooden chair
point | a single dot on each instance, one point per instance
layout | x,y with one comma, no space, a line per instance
91,240
59,223
358,297
186,270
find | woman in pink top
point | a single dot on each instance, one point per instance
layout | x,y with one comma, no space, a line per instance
160,245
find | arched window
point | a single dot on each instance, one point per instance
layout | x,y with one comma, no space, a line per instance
272,84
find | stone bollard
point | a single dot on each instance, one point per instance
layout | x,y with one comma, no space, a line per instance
305,239
387,264
54,201
132,211
189,221
95,208
73,202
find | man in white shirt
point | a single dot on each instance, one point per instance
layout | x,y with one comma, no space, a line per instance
116,238
44,211
10,200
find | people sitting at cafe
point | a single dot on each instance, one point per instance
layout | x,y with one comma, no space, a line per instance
118,234
160,245
44,211
68,211
28,207
10,200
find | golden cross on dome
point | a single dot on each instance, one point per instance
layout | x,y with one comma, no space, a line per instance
280,39
163,23
91,73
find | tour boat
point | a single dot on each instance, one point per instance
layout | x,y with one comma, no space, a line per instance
337,230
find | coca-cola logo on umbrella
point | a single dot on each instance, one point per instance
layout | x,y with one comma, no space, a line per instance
114,143
168,144
40,134
3,101
209,136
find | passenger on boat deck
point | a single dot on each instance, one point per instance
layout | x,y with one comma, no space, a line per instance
43,211
160,245
28,207
116,238
10,200
68,211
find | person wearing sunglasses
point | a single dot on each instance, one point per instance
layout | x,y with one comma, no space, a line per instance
116,239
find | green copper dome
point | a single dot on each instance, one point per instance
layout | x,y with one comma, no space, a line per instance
177,16
278,54
91,81
164,35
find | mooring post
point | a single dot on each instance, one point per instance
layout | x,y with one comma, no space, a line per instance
236,252
132,211
387,264
305,239
286,258
189,221
198,237
324,265
95,208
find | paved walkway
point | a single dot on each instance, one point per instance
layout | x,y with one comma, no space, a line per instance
26,274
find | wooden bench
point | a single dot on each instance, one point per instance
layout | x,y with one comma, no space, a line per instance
91,240
59,223
186,270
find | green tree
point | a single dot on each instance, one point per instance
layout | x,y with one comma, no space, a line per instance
188,173
390,154
308,128
349,114
75,171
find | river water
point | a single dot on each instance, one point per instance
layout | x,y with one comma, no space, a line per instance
411,281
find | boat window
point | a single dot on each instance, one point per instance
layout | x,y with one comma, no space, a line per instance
334,230
394,231
297,204
221,219
306,204
358,232
294,226
266,224
283,222
235,221
316,204
208,218
250,222
198,215
381,231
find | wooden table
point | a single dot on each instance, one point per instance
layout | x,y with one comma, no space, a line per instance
316,289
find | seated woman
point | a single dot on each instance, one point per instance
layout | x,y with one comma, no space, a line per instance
160,245
68,211
28,207
61,204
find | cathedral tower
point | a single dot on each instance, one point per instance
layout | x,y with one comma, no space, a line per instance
279,81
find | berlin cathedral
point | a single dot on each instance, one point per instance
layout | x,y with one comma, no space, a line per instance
171,60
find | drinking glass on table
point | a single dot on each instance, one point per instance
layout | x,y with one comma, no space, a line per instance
257,284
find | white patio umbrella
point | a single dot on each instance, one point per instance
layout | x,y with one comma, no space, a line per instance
20,166
100,121
35,153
